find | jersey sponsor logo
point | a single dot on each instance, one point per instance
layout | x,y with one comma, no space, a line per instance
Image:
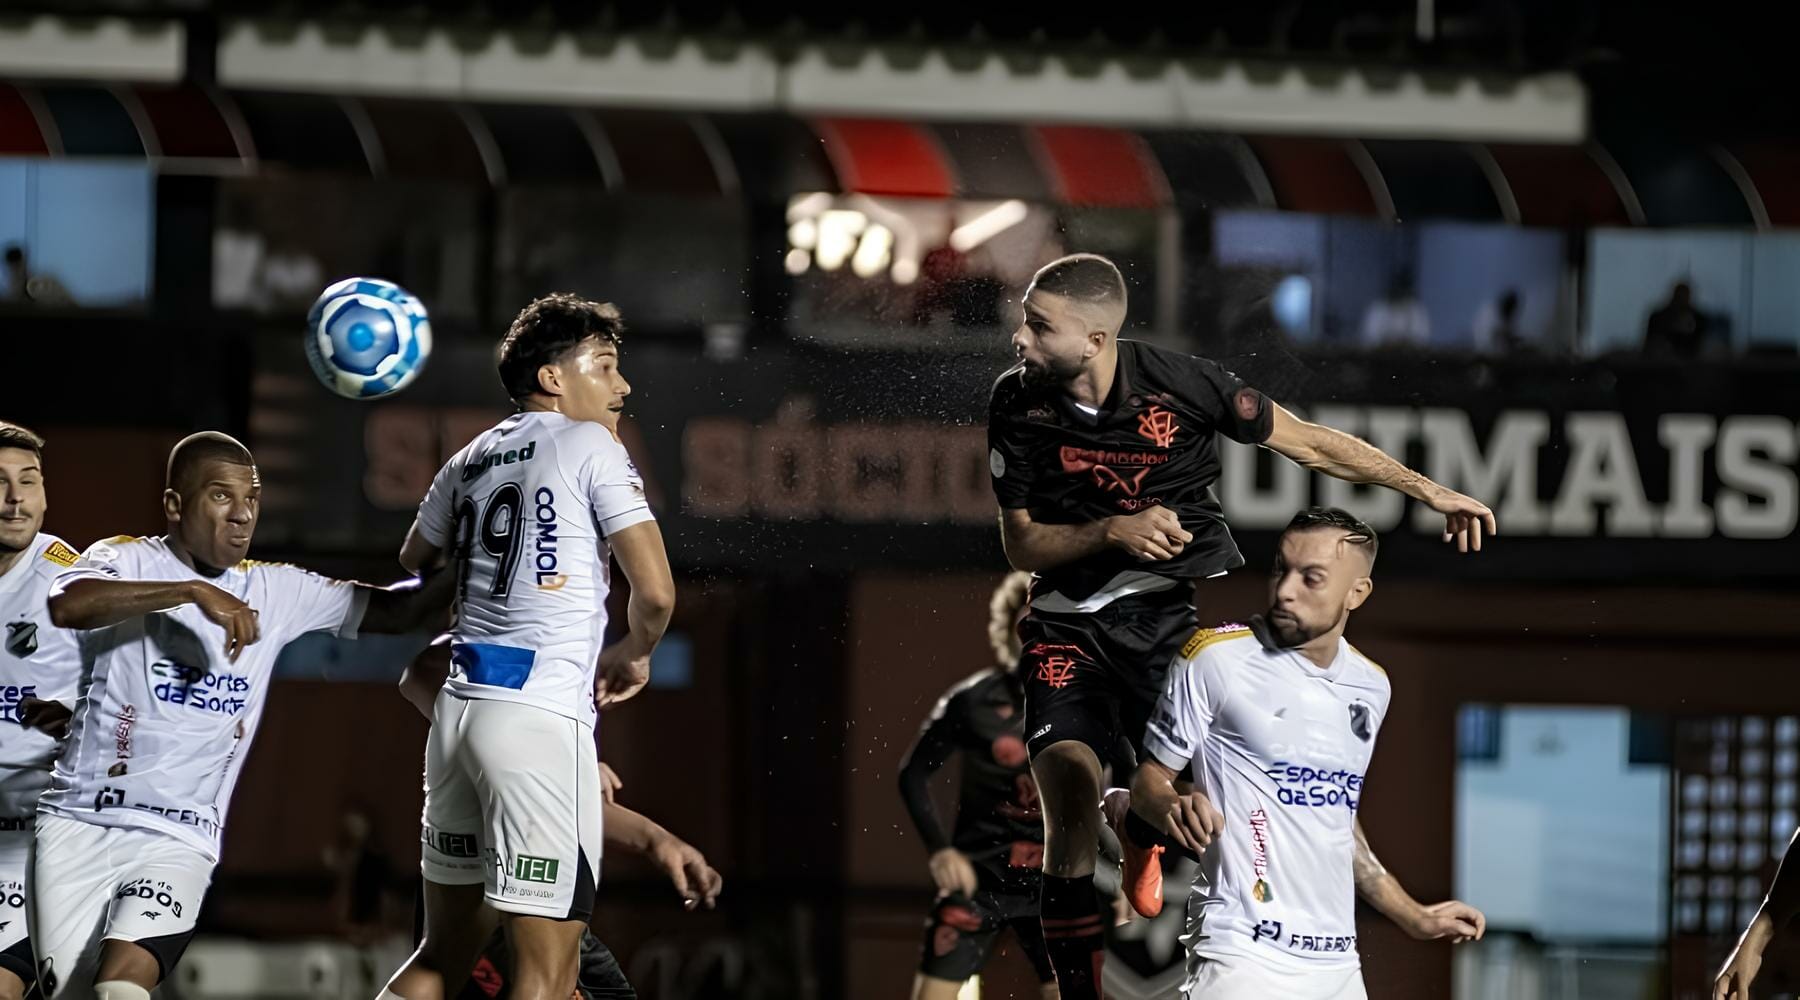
106,798
1056,663
122,737
493,460
1259,855
215,691
529,869
1111,471
455,845
12,697
1321,943
996,463
1158,426
1266,929
61,555
21,638
545,543
1308,787
1361,716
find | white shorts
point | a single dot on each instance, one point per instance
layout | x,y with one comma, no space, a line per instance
512,801
88,884
1237,978
15,856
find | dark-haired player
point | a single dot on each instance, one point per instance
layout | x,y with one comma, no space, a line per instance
180,637
40,670
1277,722
532,510
1103,463
987,871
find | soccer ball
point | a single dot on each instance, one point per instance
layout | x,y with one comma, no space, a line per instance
367,338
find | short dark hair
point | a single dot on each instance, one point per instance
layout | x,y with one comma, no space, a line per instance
1355,528
14,436
1084,277
206,446
546,330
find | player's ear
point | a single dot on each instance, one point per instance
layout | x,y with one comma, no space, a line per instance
1359,592
549,380
171,505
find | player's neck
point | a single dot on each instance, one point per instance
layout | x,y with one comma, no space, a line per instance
540,404
1322,650
180,551
10,559
1091,387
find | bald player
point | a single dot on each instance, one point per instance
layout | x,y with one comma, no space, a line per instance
179,636
1103,463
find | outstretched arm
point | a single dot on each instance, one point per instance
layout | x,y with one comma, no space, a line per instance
410,605
1777,910
1350,458
1151,534
697,882
97,602
1452,919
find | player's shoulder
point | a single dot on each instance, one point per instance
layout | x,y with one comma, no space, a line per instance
121,547
1368,663
53,554
1219,642
276,571
976,684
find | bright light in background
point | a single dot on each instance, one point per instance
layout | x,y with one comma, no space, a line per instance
797,261
904,271
872,253
1292,304
987,225
804,233
807,206
838,230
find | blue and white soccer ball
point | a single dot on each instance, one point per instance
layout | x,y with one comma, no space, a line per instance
367,338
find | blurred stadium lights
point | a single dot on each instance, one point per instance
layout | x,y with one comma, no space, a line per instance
987,225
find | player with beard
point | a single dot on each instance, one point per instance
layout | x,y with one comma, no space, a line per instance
1103,463
1278,722
987,871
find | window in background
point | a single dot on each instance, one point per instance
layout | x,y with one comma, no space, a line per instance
82,232
1562,840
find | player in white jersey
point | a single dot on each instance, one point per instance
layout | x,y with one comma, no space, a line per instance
40,669
180,636
1278,722
532,510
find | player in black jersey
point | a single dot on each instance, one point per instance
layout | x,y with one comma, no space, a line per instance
1103,462
987,870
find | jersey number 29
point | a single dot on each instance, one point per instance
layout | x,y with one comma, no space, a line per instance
499,529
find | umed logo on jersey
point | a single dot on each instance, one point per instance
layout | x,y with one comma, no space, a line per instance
1359,721
21,638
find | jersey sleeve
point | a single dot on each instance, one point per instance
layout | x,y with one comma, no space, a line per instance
1191,698
1237,410
437,512
929,752
1008,456
108,560
614,488
304,601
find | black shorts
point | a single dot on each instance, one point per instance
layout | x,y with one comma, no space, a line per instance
1095,677
961,932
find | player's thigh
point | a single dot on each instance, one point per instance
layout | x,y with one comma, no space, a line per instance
162,883
451,843
17,967
538,778
959,937
69,887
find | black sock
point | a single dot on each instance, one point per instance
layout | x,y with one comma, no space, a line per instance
1074,935
1146,836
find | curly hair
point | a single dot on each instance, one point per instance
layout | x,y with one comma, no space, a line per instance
1003,612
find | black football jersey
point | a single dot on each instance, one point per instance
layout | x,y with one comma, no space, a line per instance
998,821
1151,444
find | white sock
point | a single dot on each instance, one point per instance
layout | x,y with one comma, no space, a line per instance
117,990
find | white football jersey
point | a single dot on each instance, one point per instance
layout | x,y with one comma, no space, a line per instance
37,660
1280,746
527,507
161,734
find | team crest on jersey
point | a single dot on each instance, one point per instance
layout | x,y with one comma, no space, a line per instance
1158,426
1056,667
1359,721
21,638
61,555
